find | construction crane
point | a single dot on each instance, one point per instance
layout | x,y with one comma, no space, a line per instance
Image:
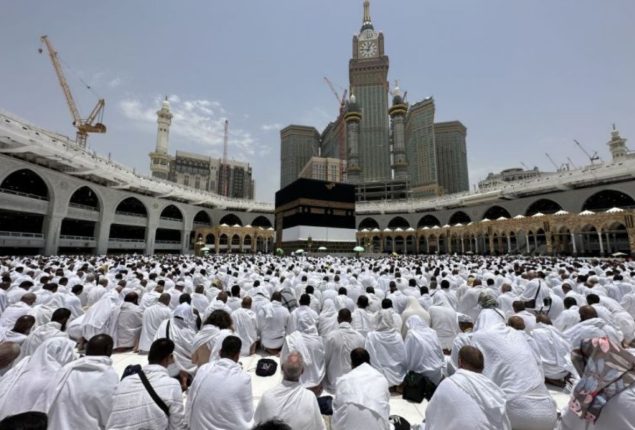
593,158
342,131
342,100
83,126
225,166
524,165
558,168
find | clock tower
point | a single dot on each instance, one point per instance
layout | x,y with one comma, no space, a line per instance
368,75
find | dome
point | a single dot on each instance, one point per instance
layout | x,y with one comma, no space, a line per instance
397,100
352,104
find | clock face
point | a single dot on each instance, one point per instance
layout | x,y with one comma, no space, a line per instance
368,49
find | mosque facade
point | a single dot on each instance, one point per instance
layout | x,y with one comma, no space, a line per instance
388,144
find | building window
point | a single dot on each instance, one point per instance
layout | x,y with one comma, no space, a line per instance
186,180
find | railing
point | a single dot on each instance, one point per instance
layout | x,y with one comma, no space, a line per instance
165,218
130,214
168,242
85,207
21,194
22,234
117,239
71,237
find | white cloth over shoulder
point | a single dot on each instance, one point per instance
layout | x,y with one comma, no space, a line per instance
386,349
91,379
362,400
291,403
467,400
152,319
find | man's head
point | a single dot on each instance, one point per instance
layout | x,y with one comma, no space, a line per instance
544,319
305,300
587,312
29,298
132,298
165,299
344,316
246,303
220,319
506,287
235,290
100,345
471,358
161,352
200,289
359,356
342,291
77,289
293,367
222,296
24,324
569,302
25,421
592,299
445,284
185,298
9,351
231,348
518,306
276,297
386,304
516,323
362,302
273,425
61,316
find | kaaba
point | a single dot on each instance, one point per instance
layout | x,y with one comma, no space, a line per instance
312,214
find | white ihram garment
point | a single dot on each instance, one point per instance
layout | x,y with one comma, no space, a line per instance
338,345
291,403
246,328
386,349
152,319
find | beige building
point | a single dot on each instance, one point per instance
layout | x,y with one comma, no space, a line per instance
198,171
324,169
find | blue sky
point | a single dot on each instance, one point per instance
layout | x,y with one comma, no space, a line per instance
525,76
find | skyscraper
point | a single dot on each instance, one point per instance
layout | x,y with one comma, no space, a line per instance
368,75
420,148
298,143
449,139
390,151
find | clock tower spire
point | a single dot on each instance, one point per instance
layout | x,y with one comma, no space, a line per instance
367,22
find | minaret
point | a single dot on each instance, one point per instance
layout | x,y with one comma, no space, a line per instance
617,145
353,117
397,115
367,21
159,159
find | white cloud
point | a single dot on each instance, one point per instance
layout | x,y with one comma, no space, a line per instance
114,83
200,122
271,127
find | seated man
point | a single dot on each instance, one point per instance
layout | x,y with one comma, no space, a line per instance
387,349
468,399
285,400
128,325
423,350
91,379
133,407
338,345
362,398
231,407
56,327
153,316
309,344
273,319
554,350
246,326
512,365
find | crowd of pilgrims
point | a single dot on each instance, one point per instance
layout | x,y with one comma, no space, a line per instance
487,335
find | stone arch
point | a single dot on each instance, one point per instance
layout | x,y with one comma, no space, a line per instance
202,218
545,206
607,199
231,220
428,221
495,212
133,206
210,239
398,222
26,181
368,223
261,221
87,197
171,211
459,217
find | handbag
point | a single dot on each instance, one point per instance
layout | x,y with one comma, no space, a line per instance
266,367
399,423
531,304
417,387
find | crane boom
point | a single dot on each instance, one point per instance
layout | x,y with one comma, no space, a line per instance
62,80
552,162
592,158
83,126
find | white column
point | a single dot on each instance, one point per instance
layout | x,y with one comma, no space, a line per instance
509,245
608,244
601,245
575,249
427,245
462,246
527,242
475,244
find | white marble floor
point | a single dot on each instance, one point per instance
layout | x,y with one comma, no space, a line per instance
413,412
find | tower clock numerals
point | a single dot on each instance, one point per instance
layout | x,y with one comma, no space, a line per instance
368,49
